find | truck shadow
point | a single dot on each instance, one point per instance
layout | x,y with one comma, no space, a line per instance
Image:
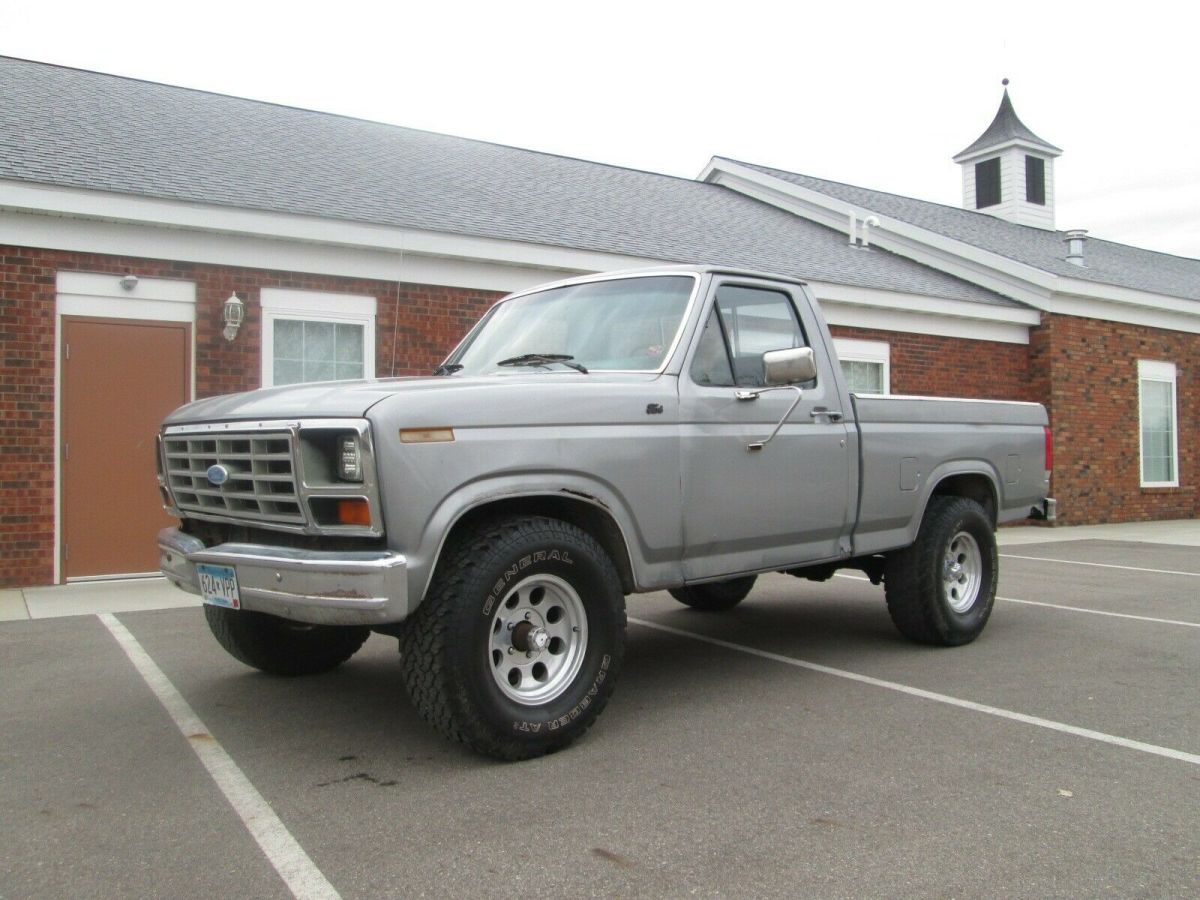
361,711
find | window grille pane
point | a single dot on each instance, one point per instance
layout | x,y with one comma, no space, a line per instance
863,377
1158,431
288,371
350,344
318,342
289,339
319,370
317,351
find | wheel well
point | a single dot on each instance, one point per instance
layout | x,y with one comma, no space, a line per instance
595,520
972,486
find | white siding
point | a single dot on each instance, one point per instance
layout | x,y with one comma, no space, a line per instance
1013,207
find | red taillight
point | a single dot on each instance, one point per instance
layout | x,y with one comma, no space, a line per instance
1049,450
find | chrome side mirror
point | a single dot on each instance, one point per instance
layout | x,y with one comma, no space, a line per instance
793,366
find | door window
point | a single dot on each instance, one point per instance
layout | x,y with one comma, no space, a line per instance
745,323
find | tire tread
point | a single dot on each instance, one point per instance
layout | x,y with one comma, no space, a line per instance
912,584
436,692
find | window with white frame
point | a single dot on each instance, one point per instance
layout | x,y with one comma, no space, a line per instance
866,365
1158,440
316,336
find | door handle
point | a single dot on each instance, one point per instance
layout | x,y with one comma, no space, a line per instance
817,411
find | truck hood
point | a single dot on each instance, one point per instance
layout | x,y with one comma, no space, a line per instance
490,397
330,399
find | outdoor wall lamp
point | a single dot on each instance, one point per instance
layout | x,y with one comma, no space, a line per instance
233,312
129,282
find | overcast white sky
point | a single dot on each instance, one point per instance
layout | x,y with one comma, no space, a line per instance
874,94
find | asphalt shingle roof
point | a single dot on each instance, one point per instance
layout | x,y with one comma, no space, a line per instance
1006,126
67,127
1106,262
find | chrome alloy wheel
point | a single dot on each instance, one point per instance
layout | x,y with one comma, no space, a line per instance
538,640
962,572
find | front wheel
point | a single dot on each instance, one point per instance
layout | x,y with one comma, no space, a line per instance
516,647
942,588
280,646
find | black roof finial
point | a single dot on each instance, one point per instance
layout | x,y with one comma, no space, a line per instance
1005,82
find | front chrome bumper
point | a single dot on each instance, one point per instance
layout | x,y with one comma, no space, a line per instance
319,587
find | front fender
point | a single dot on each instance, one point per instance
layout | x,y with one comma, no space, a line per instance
653,560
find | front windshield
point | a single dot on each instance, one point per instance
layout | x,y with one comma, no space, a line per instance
626,324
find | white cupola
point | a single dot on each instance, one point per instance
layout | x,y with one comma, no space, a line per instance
1008,172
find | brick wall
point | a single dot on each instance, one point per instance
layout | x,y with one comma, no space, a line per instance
1085,371
26,418
951,367
1090,371
415,326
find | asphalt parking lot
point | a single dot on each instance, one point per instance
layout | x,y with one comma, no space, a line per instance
794,746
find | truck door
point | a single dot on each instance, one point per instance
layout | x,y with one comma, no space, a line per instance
789,502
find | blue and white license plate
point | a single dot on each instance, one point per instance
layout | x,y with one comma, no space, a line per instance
218,586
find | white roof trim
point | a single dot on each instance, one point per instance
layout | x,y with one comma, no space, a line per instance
992,149
131,209
79,220
856,307
894,300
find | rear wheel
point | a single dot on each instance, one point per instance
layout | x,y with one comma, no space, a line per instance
280,646
516,647
715,596
942,588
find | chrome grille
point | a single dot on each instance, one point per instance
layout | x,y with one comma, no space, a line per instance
262,483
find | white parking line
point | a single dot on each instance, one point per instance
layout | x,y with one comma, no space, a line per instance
1152,749
1075,562
1101,612
294,866
1078,609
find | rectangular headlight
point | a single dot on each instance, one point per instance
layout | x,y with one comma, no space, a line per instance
350,459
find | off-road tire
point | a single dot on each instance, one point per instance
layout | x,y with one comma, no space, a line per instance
942,588
280,646
458,669
716,596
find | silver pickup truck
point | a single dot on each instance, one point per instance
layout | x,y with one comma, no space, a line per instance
680,429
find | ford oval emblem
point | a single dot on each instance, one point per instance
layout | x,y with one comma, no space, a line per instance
217,475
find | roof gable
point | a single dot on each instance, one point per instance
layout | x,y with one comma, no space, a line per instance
1106,262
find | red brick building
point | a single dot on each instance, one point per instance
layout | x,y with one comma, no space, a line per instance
131,213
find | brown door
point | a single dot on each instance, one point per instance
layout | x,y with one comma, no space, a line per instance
120,379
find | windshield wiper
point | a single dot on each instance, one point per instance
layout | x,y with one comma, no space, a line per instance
542,359
447,368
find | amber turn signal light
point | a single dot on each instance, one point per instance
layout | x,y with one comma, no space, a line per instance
354,512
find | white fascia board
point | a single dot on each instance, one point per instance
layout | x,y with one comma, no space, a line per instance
1086,307
1110,293
890,311
905,322
97,221
955,309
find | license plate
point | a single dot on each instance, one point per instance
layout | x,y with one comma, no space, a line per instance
218,586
